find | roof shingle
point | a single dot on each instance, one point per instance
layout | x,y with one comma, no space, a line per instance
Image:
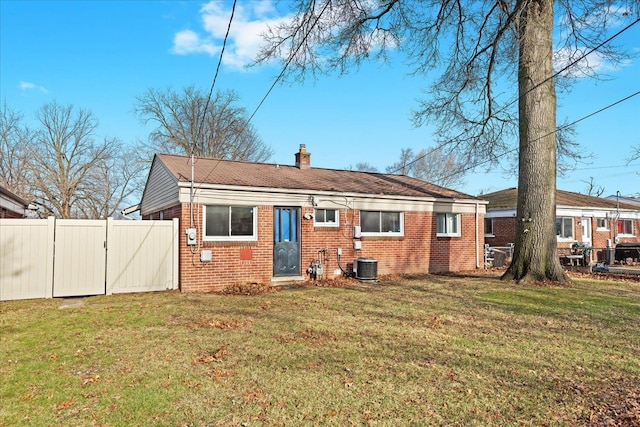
509,198
270,175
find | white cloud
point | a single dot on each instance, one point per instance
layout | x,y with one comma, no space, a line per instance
187,42
592,63
250,21
25,86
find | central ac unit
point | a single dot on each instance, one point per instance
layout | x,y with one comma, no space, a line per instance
365,268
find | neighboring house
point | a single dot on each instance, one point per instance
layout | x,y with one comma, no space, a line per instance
594,221
246,222
12,206
625,199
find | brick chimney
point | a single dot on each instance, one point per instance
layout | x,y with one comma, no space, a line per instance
303,159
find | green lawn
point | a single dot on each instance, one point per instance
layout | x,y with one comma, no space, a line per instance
434,350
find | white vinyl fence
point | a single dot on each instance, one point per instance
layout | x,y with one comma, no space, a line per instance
60,258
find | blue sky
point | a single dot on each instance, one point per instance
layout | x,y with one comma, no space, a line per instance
101,55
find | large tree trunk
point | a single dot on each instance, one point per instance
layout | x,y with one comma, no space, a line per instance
535,257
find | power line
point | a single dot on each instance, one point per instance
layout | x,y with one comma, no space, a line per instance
571,64
215,77
204,113
246,123
628,165
548,134
286,65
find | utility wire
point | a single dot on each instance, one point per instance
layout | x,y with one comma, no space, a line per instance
293,54
553,76
215,77
466,169
284,69
204,114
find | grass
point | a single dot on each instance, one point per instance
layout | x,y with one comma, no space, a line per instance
434,350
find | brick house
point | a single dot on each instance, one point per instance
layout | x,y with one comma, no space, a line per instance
594,221
259,222
12,206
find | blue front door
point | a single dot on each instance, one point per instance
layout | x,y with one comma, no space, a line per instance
286,251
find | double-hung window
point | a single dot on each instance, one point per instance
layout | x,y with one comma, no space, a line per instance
602,224
448,225
625,226
326,217
382,223
488,226
564,228
230,223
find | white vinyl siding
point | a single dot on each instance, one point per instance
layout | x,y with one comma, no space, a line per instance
161,190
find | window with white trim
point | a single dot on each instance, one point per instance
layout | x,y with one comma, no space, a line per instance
564,228
602,224
625,226
382,223
448,225
326,217
488,226
230,223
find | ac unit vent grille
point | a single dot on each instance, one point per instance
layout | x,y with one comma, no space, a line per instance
366,268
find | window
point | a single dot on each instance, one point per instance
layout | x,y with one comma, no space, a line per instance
377,222
230,223
326,217
625,226
488,226
564,228
448,224
602,224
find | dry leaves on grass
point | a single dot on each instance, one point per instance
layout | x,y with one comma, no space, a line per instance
337,282
224,323
205,356
605,276
308,335
248,289
617,408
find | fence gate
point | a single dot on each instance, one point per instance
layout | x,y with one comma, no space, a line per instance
80,257
69,257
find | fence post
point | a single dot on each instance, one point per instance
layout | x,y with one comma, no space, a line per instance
176,261
108,275
51,243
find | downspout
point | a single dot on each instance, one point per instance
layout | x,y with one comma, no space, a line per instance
477,235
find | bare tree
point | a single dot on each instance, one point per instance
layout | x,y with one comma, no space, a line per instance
362,167
635,154
64,156
111,182
478,46
431,165
593,189
182,124
14,163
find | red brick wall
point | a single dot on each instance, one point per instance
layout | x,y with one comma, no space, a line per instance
232,262
418,251
6,213
504,232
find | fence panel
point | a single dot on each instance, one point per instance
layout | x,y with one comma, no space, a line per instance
26,258
63,258
142,256
80,257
